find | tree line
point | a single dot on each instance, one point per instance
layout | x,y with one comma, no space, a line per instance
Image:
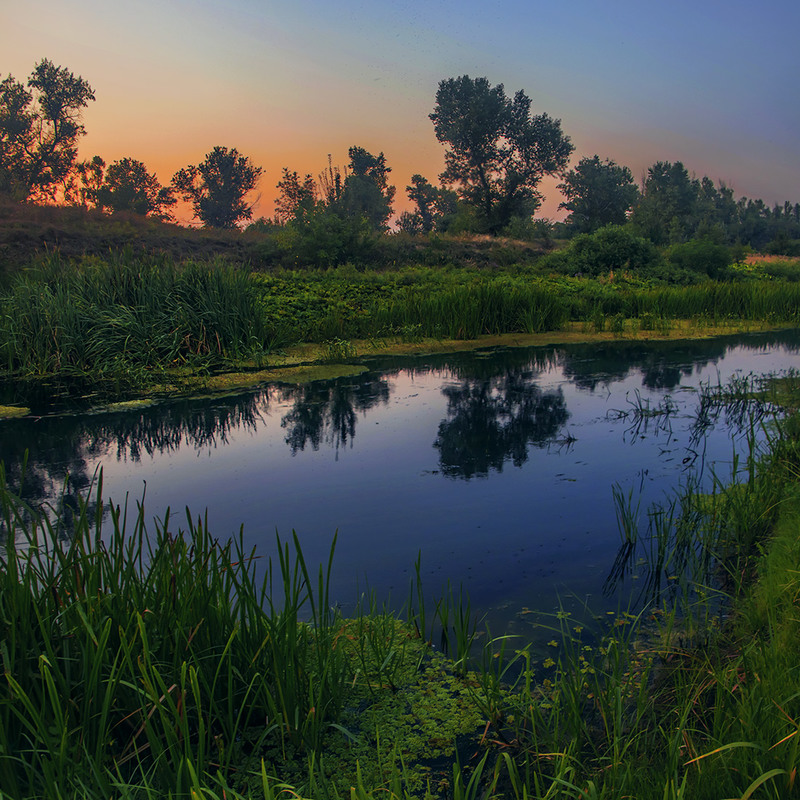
497,153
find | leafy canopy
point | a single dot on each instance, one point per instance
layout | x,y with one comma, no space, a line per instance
218,186
366,191
666,211
598,193
498,151
39,129
128,186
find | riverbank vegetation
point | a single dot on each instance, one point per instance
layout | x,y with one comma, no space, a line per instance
166,663
99,287
129,322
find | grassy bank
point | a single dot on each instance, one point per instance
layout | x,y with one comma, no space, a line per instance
129,323
165,663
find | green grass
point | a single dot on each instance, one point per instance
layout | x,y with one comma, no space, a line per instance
128,320
165,663
162,662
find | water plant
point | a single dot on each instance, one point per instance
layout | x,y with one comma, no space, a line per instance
337,350
164,662
128,319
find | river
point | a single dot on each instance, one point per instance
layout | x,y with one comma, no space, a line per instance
497,466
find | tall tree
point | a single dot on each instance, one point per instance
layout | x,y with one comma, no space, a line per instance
666,212
297,197
598,193
128,186
88,179
499,152
218,186
39,129
367,192
425,196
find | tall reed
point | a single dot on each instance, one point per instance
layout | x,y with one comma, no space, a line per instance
149,657
129,317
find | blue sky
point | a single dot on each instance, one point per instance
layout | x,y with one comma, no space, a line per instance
712,84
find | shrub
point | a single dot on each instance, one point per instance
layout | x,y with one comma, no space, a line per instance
700,255
783,246
611,248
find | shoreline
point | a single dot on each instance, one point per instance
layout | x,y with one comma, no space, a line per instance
307,362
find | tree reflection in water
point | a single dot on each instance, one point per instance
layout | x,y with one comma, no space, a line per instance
47,462
327,411
495,411
494,420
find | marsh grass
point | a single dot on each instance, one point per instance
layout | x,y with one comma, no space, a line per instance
149,658
336,351
133,321
129,319
168,663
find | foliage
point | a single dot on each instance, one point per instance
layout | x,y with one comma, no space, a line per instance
166,662
39,130
86,182
126,321
675,208
217,187
598,193
498,151
783,246
701,256
323,237
162,660
436,209
130,322
425,196
366,191
336,219
610,248
665,211
297,197
128,186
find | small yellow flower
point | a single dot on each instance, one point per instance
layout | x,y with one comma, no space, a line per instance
553,643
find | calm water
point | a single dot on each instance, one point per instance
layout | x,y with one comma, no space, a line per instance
497,466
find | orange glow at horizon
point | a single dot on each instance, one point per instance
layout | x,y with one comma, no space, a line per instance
286,84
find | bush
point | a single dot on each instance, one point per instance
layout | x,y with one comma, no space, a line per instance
613,247
701,256
324,238
783,247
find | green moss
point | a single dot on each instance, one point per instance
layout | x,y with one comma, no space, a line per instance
128,405
10,412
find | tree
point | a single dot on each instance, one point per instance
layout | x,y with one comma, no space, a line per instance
128,186
667,208
425,195
598,193
89,174
297,198
436,209
498,151
366,190
39,130
218,186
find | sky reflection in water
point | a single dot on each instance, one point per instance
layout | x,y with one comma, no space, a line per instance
497,466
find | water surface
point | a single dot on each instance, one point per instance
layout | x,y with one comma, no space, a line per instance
497,466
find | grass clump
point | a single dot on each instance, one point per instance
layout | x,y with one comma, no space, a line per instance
129,319
130,322
168,663
143,664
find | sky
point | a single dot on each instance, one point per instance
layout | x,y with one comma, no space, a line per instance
712,84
